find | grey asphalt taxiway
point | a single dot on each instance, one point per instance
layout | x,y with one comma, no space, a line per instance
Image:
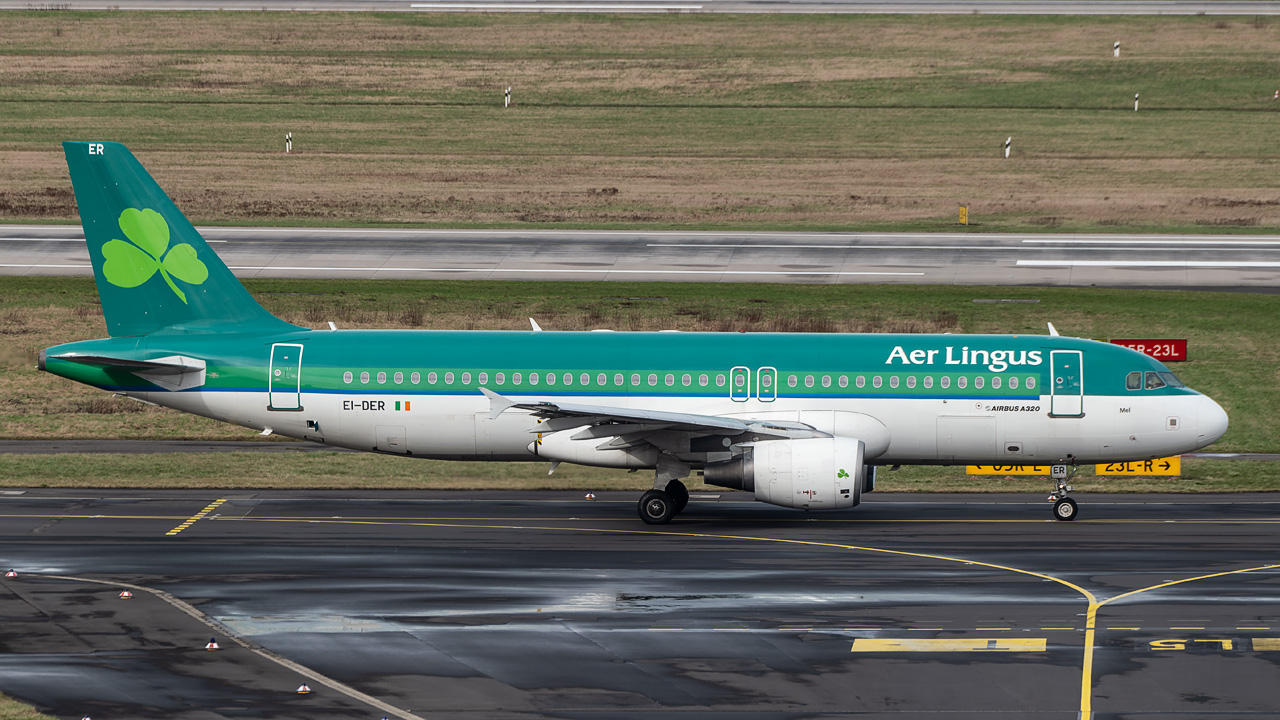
1157,261
521,605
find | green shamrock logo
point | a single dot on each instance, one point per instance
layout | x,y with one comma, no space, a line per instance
842,474
129,264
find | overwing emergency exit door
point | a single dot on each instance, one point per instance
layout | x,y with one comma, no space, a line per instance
284,377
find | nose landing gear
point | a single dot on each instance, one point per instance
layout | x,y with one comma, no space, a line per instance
1064,508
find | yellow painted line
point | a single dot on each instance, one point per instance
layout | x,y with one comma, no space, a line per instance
1244,627
1266,643
96,517
924,629
985,629
1186,628
950,645
1062,628
191,520
1124,628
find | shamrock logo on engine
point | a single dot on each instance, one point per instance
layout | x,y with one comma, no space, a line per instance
133,262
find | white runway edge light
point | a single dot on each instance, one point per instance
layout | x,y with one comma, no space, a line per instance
11,574
125,594
1007,144
303,689
591,496
213,644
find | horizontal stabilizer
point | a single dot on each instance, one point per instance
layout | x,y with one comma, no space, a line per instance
174,372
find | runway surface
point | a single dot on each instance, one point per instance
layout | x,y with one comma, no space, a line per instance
932,7
1250,262
519,605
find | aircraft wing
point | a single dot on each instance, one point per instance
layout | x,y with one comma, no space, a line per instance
606,421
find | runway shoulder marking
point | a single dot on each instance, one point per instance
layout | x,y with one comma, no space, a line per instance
192,520
950,645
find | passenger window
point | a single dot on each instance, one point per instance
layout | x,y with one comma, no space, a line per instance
703,380
862,382
500,378
995,383
686,380
466,378
431,378
484,378
808,381
791,381
585,379
876,382
962,382
551,379
844,381
515,378
382,378
978,382
1013,383
911,381
448,378
719,381
928,381
1031,382
893,381
670,379
364,377
1154,382
533,378
399,378
826,381
347,377
617,379
415,378
766,381
653,379
601,380
635,379
945,382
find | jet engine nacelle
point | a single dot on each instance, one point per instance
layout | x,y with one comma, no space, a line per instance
810,473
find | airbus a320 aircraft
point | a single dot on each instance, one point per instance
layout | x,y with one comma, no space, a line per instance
800,420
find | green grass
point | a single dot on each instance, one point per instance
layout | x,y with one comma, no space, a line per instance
708,121
362,471
13,710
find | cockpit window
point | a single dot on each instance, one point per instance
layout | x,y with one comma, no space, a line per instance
1171,380
1133,381
1154,382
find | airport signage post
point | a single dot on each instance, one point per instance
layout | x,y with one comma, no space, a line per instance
1168,350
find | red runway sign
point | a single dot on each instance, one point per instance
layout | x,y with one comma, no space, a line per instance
1162,350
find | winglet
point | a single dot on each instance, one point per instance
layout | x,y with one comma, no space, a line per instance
497,403
1053,331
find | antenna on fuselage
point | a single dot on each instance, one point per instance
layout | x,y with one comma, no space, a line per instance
1053,331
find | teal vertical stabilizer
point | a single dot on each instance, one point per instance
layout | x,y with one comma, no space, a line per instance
154,271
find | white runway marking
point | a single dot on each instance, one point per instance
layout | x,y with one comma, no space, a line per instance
1189,264
601,271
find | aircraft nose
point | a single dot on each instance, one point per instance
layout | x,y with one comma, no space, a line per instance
1211,421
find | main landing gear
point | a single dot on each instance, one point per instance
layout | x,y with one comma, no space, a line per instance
657,507
1064,508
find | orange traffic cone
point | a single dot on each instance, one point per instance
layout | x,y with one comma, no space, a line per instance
213,645
126,595
303,689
